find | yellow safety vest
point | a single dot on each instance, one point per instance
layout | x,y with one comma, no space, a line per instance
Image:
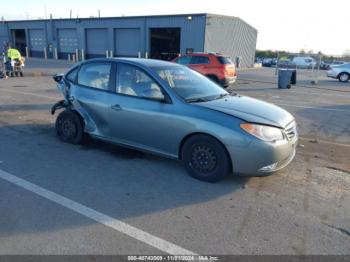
13,54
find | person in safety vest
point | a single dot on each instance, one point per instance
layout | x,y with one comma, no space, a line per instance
13,54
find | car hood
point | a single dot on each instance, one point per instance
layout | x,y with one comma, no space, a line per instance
251,110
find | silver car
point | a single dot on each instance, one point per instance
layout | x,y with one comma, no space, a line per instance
340,72
173,111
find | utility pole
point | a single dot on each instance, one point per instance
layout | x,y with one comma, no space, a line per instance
70,14
99,13
45,11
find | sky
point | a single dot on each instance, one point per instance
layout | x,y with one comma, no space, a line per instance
282,25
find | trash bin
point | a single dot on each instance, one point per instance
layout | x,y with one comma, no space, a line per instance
286,78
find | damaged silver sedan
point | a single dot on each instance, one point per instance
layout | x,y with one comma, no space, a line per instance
170,110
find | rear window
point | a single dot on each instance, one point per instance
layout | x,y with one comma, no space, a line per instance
95,75
224,60
184,60
196,60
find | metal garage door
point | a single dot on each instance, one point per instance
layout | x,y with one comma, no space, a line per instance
37,42
67,42
96,42
127,42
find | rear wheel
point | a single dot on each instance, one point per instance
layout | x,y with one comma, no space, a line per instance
70,127
205,158
344,77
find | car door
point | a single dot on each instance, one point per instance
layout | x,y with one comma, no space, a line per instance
90,95
139,113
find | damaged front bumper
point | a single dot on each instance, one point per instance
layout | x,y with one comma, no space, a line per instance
59,105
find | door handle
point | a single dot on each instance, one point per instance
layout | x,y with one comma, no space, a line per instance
116,107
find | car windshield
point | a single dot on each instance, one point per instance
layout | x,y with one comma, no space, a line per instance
224,60
190,85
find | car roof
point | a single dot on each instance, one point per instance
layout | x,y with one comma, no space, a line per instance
137,61
205,54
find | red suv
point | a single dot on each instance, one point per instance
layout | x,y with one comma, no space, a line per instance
217,67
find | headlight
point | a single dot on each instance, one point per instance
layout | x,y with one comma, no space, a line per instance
265,133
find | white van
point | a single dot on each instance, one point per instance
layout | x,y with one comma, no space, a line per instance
304,62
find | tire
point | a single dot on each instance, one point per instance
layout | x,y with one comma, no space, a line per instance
343,77
70,127
205,158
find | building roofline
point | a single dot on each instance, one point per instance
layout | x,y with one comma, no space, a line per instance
231,17
103,18
208,15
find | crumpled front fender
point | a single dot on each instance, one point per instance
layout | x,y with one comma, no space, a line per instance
60,104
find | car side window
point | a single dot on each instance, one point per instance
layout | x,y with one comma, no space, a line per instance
72,76
95,75
198,60
184,60
133,81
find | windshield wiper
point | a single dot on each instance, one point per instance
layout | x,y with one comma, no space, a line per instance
196,100
222,96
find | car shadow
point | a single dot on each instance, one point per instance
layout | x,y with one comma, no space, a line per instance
119,182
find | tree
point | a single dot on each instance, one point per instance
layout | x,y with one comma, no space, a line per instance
346,52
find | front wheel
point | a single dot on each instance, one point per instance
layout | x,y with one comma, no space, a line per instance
205,158
344,77
70,127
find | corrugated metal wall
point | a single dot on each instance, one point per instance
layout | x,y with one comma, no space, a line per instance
231,36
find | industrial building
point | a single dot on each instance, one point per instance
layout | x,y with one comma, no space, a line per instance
161,37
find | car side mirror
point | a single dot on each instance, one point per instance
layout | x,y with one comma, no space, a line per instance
58,77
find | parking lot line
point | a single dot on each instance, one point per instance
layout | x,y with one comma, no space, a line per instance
28,93
311,107
108,221
303,86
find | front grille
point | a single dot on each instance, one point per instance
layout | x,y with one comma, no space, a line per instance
291,131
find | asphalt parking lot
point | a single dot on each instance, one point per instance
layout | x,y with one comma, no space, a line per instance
57,198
